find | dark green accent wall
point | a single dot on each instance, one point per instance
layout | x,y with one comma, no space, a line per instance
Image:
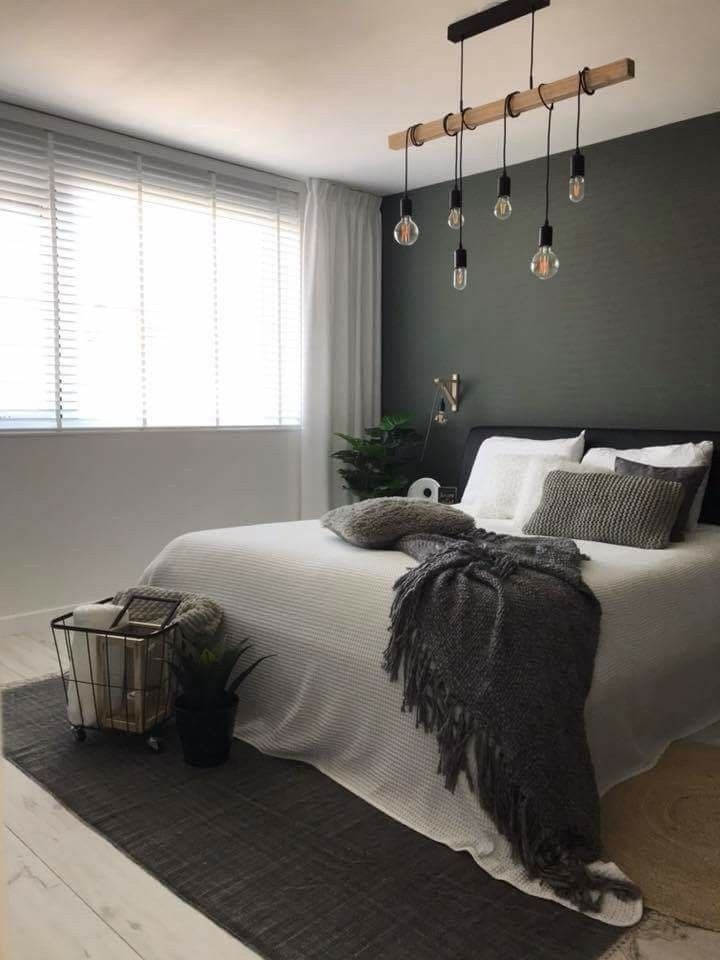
628,332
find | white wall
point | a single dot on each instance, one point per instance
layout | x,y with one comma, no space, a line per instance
82,514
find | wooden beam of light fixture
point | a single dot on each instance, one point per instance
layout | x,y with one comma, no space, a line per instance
597,78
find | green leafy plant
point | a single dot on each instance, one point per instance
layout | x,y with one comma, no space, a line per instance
375,465
203,671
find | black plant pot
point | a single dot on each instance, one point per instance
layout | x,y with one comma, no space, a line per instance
206,735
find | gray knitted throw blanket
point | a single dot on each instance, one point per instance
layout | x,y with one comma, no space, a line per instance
197,618
496,637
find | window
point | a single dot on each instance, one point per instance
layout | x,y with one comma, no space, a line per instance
139,292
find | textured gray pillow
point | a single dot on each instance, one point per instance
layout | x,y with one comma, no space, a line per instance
689,477
632,511
380,522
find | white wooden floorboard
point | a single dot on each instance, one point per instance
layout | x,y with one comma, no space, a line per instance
9,676
144,913
47,920
29,656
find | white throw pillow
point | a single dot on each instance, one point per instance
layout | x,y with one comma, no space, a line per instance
670,455
503,480
532,488
481,484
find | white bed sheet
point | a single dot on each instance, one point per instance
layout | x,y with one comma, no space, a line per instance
322,606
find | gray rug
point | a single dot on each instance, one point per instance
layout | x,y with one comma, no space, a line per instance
282,857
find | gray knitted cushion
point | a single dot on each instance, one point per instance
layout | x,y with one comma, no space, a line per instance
380,522
689,477
628,510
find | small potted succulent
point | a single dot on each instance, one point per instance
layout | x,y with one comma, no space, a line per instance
207,703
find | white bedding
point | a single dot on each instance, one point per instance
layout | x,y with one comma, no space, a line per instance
322,605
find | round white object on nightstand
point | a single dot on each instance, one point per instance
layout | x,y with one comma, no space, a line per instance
425,489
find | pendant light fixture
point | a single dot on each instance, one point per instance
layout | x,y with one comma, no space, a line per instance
576,186
503,207
406,230
455,217
545,264
459,274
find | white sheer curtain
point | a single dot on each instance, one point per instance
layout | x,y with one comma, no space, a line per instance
341,324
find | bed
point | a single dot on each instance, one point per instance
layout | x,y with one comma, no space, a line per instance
322,605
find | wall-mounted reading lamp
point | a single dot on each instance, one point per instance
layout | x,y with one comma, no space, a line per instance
448,392
446,399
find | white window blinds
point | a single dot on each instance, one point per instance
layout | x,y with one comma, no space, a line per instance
137,292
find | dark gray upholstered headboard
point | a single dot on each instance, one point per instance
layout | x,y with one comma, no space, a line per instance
608,437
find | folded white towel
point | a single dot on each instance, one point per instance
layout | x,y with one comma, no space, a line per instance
85,667
96,616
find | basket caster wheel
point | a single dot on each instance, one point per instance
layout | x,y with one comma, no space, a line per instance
156,744
79,734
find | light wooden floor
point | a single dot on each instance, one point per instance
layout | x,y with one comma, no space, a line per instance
73,896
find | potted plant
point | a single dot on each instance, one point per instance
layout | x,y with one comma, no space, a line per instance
206,706
375,465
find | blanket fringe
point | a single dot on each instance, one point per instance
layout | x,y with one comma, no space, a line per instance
562,863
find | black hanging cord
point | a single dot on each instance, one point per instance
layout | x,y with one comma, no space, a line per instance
449,134
507,111
464,125
410,136
407,142
438,393
462,128
413,135
549,108
582,85
583,81
456,161
532,46
462,70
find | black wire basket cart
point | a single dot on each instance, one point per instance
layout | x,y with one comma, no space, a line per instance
120,678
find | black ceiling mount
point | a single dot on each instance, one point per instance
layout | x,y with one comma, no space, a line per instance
494,17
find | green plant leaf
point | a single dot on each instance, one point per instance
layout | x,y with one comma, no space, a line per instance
376,465
393,420
355,442
232,687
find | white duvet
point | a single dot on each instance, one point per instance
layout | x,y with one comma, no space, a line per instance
322,606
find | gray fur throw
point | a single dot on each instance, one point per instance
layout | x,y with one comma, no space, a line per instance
496,637
380,522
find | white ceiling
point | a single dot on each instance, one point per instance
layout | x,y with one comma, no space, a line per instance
313,88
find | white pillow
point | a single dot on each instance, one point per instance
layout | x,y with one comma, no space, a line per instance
532,488
480,485
670,455
503,480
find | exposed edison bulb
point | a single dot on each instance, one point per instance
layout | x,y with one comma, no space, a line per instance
502,208
576,189
576,186
459,276
545,263
406,231
455,217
